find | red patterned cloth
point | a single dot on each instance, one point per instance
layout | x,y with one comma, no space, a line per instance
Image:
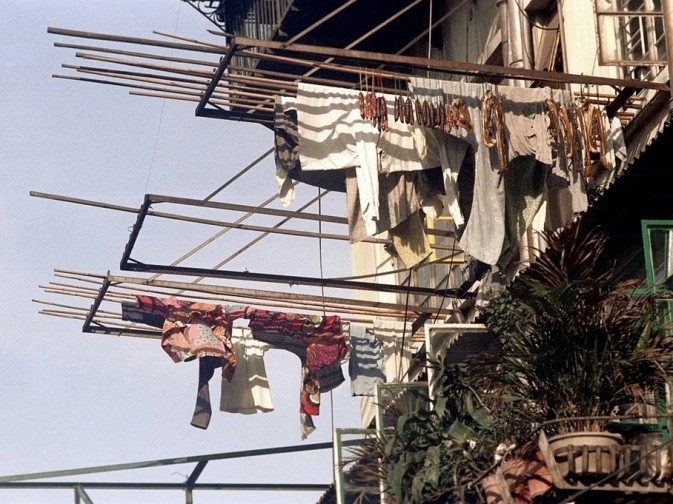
195,330
319,343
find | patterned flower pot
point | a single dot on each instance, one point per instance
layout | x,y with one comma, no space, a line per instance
580,454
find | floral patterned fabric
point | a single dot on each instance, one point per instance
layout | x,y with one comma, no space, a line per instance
194,330
319,343
197,330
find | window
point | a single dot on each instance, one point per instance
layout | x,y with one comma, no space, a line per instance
631,34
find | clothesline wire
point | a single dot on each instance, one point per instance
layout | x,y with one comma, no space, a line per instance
448,284
404,327
402,270
161,115
324,313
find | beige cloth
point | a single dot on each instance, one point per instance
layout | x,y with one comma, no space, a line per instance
248,391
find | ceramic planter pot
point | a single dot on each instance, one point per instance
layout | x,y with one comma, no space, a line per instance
580,454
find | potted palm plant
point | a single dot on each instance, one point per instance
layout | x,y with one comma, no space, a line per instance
576,345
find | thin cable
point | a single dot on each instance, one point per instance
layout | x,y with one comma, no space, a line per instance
448,282
322,274
156,143
161,114
430,32
239,174
322,290
404,327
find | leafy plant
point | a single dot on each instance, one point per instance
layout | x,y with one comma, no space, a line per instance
433,454
574,343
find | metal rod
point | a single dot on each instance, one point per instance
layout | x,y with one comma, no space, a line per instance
456,67
191,481
81,494
142,212
239,174
224,63
95,305
287,279
165,462
97,485
157,198
667,8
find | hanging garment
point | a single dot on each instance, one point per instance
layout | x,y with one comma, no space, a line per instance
410,241
484,231
364,364
197,330
565,192
395,338
526,121
318,342
524,188
286,155
451,151
333,134
396,353
400,204
493,228
134,313
248,391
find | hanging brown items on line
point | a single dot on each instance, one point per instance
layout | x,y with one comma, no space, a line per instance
461,114
582,148
596,136
554,122
493,127
566,131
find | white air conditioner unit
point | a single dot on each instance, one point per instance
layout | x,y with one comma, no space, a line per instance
463,340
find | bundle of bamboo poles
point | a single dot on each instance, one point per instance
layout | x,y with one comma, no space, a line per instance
85,285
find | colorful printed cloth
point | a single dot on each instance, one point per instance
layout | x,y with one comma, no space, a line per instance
319,343
196,330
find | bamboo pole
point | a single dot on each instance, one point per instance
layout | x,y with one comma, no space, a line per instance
256,293
152,66
203,47
135,54
172,78
166,81
216,291
114,296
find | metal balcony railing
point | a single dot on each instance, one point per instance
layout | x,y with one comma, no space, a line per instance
258,19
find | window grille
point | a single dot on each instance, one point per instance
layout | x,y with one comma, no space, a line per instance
631,35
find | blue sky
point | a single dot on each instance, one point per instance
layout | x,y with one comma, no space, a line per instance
70,399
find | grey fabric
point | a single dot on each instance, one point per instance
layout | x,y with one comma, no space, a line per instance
133,313
524,186
202,409
484,232
364,364
286,156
